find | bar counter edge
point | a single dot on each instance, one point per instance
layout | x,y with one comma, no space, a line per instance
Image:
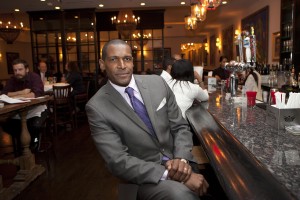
240,173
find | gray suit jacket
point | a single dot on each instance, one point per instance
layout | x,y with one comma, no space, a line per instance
122,138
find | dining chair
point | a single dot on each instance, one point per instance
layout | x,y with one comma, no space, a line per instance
62,106
45,150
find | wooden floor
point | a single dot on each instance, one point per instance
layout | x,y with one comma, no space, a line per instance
76,172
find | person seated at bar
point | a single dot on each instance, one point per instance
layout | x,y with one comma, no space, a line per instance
221,73
167,66
182,85
253,82
42,71
74,78
29,85
139,131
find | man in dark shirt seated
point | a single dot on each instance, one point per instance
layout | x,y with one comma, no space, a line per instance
221,73
29,85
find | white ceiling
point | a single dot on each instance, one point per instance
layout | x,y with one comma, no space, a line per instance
174,16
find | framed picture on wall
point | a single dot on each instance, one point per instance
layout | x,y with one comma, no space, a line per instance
275,46
260,21
10,57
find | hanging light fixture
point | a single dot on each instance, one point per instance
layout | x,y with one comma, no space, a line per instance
198,11
211,4
141,40
9,29
190,23
125,22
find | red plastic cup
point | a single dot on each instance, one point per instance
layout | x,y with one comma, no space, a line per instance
251,97
273,99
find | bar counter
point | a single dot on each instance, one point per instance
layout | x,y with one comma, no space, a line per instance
252,159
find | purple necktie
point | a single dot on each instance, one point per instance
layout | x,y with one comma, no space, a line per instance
140,109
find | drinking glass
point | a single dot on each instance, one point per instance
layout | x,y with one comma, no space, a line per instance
265,96
251,97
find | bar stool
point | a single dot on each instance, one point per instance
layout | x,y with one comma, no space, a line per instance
62,106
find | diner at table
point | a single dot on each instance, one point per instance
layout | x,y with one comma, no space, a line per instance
25,84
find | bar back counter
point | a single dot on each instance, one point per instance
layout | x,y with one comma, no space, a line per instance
251,159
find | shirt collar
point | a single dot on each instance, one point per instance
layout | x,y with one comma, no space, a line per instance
131,84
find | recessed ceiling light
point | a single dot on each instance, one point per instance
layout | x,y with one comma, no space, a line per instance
76,17
224,2
57,7
182,3
142,4
17,10
41,18
101,5
43,0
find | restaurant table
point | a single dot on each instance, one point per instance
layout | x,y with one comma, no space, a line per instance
251,159
29,170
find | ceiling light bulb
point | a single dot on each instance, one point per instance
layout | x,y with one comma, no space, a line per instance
142,4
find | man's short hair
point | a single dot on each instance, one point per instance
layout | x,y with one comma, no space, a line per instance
222,57
112,42
20,61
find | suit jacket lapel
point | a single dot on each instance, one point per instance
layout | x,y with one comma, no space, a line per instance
144,90
115,98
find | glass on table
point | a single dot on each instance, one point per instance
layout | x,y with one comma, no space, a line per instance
223,87
251,97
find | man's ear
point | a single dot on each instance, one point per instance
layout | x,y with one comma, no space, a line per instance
101,64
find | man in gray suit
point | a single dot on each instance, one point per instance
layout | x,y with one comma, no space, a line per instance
156,159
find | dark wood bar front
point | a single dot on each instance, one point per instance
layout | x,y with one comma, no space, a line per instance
251,159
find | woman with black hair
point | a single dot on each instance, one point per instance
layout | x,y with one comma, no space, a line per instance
253,82
221,73
182,85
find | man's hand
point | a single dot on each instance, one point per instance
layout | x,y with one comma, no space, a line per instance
197,183
178,170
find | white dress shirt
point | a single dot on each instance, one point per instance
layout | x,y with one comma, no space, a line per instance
133,85
166,76
186,92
